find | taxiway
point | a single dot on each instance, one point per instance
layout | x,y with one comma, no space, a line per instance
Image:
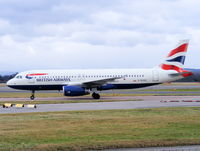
124,102
147,102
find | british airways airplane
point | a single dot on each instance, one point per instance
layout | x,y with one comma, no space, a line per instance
84,82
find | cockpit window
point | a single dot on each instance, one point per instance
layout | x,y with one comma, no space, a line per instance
18,77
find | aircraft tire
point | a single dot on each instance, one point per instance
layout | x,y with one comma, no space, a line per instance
32,97
95,96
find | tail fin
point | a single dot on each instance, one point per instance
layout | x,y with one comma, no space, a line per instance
176,58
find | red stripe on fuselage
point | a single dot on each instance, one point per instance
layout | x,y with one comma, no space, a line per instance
37,74
181,48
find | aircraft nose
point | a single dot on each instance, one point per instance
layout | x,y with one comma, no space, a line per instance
10,82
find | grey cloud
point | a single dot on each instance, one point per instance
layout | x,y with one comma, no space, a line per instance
90,34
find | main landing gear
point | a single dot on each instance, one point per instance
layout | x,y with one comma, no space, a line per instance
95,95
32,97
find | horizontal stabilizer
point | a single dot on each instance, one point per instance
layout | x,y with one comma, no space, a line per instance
181,74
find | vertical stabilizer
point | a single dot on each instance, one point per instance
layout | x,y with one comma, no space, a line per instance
176,58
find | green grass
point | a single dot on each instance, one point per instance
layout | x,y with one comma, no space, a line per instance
63,101
84,130
43,95
181,83
27,95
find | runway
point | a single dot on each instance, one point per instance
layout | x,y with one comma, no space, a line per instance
148,102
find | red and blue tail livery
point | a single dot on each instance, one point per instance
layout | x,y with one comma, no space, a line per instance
176,58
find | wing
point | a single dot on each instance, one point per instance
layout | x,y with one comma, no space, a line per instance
94,83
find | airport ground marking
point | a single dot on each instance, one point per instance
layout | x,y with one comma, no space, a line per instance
17,105
171,101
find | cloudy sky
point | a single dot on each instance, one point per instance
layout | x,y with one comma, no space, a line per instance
66,34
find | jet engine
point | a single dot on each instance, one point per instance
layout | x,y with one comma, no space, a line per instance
74,91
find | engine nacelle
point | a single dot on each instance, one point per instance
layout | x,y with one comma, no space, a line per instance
74,91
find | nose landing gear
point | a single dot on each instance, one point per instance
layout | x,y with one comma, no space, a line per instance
32,97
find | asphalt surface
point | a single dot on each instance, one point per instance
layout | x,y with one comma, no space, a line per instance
148,102
175,148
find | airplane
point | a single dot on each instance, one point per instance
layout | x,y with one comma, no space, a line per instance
91,81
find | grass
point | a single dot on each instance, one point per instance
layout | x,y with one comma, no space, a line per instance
27,95
65,101
2,84
43,95
181,83
84,130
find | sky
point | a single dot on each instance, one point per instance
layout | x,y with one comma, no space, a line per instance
82,34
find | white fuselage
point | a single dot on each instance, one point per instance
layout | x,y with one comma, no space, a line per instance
125,78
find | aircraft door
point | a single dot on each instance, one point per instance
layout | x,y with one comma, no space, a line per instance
155,76
81,77
32,80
